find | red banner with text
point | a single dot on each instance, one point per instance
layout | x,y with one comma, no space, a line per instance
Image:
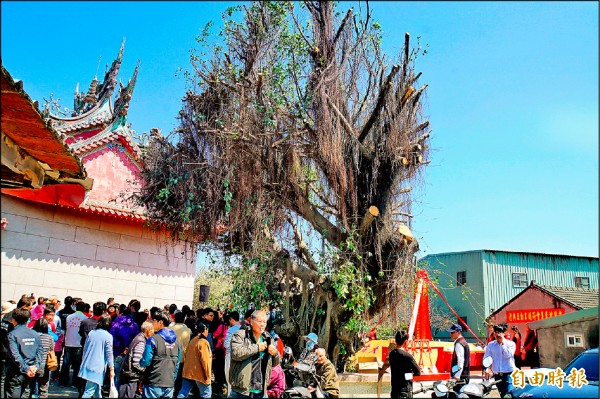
529,315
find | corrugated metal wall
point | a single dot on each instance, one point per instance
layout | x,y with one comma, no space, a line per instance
468,301
556,270
489,279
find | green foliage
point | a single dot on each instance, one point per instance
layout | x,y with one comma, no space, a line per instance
351,283
253,282
220,287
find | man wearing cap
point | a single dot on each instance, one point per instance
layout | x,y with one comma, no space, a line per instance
460,357
502,352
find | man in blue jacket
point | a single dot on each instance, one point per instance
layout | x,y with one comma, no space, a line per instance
24,355
161,358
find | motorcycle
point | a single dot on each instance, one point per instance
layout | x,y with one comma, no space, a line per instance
305,383
445,389
287,364
476,390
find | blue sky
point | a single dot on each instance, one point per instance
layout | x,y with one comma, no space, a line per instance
512,100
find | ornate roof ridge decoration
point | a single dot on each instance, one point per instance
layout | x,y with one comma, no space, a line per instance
100,115
111,121
103,208
113,207
106,136
98,94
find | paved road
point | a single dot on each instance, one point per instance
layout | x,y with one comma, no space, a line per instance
347,390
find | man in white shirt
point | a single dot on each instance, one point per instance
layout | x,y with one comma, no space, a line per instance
502,351
72,350
234,325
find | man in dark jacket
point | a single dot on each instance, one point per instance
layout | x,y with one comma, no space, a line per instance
161,358
460,358
6,325
25,355
402,365
252,358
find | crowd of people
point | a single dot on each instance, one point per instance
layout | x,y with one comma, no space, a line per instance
170,352
110,349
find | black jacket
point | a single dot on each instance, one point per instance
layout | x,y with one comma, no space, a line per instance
402,362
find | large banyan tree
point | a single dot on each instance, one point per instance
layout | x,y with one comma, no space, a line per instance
298,144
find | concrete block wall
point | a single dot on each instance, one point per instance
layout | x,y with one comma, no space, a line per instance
50,250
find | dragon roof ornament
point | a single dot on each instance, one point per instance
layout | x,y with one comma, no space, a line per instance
125,94
85,103
109,83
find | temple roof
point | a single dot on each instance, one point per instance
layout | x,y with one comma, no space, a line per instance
100,141
33,153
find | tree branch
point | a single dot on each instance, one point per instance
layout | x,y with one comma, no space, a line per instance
303,247
330,232
350,130
371,214
300,30
380,100
302,272
342,25
418,94
406,57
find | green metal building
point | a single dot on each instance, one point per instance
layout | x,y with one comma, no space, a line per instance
475,283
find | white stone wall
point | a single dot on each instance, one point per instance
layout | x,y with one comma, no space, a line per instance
56,250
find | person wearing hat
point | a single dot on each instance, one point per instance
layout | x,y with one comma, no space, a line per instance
461,357
308,354
8,307
502,352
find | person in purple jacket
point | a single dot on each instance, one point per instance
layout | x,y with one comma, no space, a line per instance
123,330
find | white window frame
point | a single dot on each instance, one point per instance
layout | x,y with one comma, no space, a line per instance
576,338
520,281
580,279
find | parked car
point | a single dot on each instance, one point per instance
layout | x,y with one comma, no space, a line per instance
587,360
